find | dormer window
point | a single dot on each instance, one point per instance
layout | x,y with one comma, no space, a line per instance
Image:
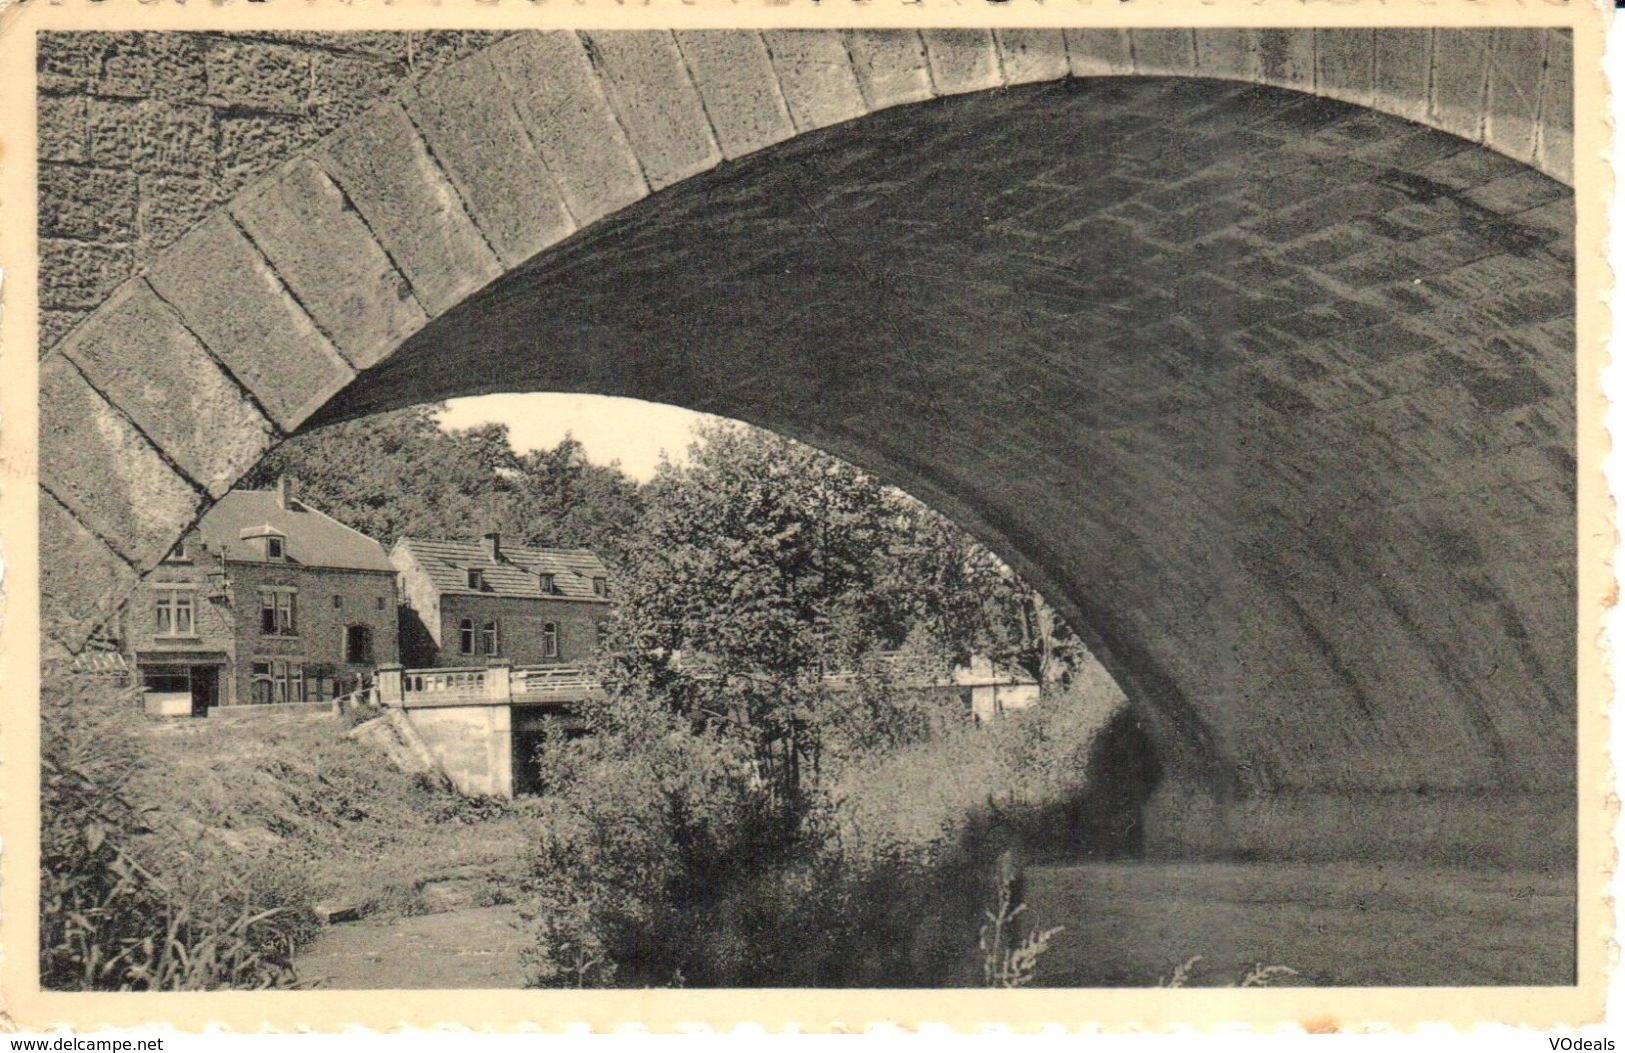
548,586
273,548
476,579
178,553
600,588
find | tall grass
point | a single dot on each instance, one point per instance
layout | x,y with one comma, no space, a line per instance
112,917
660,862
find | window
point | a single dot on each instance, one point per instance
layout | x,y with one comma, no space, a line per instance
603,634
600,587
273,548
358,645
178,553
260,685
476,580
168,681
380,603
277,613
550,639
174,613
490,635
466,632
287,682
548,588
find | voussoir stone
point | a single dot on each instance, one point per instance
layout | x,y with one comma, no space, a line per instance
1094,52
739,88
476,135
649,87
1512,107
816,73
1031,55
1231,53
1163,50
136,351
81,578
384,168
557,95
302,224
107,472
234,302
891,66
962,60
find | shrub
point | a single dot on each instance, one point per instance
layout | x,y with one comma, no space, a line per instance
112,917
663,860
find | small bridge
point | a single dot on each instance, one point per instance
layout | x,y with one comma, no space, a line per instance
482,724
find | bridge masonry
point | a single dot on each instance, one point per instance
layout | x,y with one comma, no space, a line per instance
429,197
486,149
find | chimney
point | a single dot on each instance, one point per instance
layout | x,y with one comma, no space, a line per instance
493,547
287,491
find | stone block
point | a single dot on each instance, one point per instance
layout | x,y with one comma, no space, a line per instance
168,207
1345,64
150,136
556,94
1404,59
741,92
137,353
81,579
1555,152
1461,60
253,144
302,224
80,274
383,167
1031,56
1286,57
1097,52
63,128
962,60
1228,53
92,204
55,324
1512,104
1164,51
69,62
890,65
273,78
649,88
231,299
166,66
109,475
816,74
463,113
344,86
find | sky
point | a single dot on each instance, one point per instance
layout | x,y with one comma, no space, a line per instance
609,429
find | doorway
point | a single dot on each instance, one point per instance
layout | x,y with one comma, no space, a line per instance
205,689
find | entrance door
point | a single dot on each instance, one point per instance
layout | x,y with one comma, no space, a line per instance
205,689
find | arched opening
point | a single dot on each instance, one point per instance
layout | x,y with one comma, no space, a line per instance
358,645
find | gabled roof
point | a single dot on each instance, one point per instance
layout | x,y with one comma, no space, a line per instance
314,539
516,574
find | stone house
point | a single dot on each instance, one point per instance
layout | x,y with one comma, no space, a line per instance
466,602
266,600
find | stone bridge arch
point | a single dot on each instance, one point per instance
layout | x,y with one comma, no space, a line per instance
1297,459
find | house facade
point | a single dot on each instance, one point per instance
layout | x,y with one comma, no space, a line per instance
466,602
266,600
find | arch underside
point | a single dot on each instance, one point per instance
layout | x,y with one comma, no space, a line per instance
1272,395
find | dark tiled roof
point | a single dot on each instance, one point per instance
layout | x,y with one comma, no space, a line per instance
517,573
314,538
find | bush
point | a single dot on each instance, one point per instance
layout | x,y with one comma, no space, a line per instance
664,862
114,915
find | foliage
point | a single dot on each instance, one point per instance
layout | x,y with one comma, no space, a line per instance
398,474
110,917
1011,948
1260,975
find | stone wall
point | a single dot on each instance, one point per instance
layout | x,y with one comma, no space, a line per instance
141,135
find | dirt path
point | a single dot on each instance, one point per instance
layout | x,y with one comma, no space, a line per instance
462,949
